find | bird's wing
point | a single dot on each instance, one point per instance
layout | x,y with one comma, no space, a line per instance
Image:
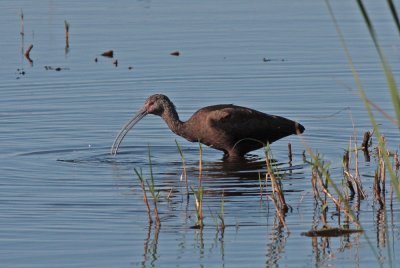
244,123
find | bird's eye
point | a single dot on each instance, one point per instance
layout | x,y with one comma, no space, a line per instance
149,105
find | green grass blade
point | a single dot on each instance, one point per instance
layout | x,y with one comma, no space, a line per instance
394,14
385,65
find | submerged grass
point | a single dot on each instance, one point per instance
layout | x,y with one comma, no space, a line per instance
151,187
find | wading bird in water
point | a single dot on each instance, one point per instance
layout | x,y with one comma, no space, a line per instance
235,130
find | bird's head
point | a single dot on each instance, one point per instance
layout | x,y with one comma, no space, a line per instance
156,104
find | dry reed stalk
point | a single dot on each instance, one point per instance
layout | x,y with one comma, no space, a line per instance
199,193
290,155
396,165
380,176
314,178
276,187
22,24
360,191
321,171
279,210
366,140
377,188
324,188
353,181
277,192
66,25
158,220
346,172
396,161
145,199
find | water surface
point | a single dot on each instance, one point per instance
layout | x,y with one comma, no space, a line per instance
65,202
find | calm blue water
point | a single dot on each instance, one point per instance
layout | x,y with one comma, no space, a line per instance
65,202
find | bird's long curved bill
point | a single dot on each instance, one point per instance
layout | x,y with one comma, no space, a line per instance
125,129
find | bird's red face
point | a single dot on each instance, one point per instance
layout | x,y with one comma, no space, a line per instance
154,105
149,105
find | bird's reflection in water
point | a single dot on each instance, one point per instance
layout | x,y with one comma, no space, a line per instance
242,177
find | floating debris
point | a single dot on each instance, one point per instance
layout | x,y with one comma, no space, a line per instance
331,232
175,53
108,54
57,69
130,68
20,72
269,59
27,53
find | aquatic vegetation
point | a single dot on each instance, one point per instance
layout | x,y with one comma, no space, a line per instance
392,86
151,187
184,174
277,189
145,199
199,191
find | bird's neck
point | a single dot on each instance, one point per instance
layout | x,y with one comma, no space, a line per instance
171,117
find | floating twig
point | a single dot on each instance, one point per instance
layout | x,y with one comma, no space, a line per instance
27,53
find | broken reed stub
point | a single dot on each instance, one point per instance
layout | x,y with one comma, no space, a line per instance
108,54
366,140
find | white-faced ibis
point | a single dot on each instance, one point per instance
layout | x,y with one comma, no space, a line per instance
232,129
